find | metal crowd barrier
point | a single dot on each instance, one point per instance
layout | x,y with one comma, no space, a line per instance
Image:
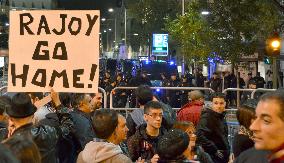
248,90
166,88
261,90
3,91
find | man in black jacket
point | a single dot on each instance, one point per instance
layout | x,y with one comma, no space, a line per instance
144,142
135,118
215,83
81,117
212,130
20,123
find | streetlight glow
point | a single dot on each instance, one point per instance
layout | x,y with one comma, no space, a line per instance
109,29
205,13
110,10
103,19
135,34
275,44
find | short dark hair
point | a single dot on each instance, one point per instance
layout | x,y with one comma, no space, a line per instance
5,102
246,113
172,145
65,99
217,95
34,95
104,122
144,94
6,155
152,105
77,98
24,148
277,96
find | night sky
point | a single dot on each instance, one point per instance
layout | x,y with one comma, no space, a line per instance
87,4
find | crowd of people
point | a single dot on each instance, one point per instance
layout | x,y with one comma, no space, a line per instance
74,128
178,98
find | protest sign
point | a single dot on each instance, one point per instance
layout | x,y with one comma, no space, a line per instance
53,48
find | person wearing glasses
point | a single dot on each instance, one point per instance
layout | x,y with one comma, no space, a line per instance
144,142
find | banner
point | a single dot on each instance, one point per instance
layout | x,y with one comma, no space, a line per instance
53,48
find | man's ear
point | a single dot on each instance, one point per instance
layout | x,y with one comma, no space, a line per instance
145,117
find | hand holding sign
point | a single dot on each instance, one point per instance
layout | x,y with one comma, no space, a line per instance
55,98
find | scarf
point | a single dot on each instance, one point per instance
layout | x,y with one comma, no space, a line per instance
245,131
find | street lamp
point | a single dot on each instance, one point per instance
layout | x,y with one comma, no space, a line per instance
205,13
110,10
273,47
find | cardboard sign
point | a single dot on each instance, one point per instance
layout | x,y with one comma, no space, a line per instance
53,48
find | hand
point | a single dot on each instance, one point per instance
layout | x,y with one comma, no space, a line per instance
155,158
140,160
55,97
11,128
219,154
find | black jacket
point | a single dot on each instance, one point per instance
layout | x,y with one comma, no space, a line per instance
212,134
68,146
241,143
3,131
142,145
216,84
83,127
169,118
46,137
252,156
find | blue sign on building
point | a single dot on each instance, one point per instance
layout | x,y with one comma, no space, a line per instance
160,45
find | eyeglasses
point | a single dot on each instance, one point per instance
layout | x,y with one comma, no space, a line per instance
155,116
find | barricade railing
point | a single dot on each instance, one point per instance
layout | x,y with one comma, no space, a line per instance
165,88
238,89
253,91
261,90
3,91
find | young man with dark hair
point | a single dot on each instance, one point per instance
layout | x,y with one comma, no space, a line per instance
212,130
144,94
110,128
172,145
144,142
268,130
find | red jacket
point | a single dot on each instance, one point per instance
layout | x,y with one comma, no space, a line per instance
190,112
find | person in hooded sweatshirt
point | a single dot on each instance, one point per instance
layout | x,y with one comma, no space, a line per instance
110,129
